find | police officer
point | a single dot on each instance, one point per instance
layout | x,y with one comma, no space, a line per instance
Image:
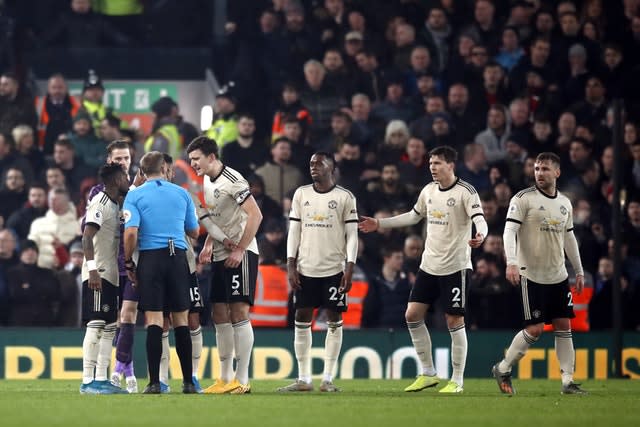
157,215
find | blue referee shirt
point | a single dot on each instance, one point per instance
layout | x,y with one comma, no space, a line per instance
161,210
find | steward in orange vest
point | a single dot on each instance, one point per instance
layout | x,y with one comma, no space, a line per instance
55,113
270,305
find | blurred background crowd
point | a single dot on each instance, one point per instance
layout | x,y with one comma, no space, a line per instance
377,82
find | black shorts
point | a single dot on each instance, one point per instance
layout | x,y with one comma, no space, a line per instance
197,303
229,285
321,292
453,288
543,303
163,280
100,305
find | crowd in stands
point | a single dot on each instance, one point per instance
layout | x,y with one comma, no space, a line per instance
378,83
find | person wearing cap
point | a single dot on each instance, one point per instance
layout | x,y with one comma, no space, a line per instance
92,96
225,122
34,292
165,136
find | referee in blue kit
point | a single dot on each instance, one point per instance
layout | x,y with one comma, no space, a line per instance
157,215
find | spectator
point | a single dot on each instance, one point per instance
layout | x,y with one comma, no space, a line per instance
34,292
566,130
86,144
389,193
494,86
300,40
301,150
464,120
474,168
413,164
600,305
543,138
494,137
165,136
342,130
8,259
25,146
495,222
368,127
537,60
485,27
272,243
269,207
436,36
13,192
55,178
55,230
592,108
82,28
404,40
338,75
279,175
75,171
489,288
36,206
290,107
510,49
350,166
245,154
16,106
320,99
386,301
419,65
55,112
412,251
370,77
395,105
224,127
395,141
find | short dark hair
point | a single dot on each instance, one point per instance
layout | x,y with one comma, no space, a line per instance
112,120
342,114
328,156
281,139
108,171
65,142
118,144
449,154
247,116
167,158
548,156
205,144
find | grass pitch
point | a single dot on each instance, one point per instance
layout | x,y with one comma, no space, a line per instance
361,403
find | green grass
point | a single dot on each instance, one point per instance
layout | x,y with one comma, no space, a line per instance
362,403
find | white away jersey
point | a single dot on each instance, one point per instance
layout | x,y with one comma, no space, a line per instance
104,214
449,213
224,197
322,250
543,220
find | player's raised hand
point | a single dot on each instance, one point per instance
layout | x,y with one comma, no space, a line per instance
476,241
368,224
513,275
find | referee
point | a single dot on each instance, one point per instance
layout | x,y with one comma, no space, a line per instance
157,215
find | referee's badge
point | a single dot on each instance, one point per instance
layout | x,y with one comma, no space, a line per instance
126,214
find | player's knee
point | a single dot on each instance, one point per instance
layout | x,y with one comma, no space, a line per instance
304,315
535,330
194,321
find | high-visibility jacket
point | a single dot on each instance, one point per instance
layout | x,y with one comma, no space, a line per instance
43,116
270,305
169,131
580,323
223,130
117,7
98,112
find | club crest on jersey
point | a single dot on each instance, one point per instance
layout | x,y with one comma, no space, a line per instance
563,210
216,193
333,204
536,313
451,201
105,308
